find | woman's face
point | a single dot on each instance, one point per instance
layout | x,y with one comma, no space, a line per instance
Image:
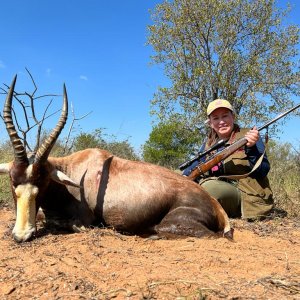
221,121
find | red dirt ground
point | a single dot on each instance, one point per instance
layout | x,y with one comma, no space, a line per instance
263,262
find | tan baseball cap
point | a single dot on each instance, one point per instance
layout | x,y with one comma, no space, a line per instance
217,104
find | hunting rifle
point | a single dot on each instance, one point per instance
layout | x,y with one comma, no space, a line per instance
218,157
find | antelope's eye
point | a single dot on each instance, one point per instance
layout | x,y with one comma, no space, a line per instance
15,186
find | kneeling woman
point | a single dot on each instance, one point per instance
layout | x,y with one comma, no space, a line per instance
249,197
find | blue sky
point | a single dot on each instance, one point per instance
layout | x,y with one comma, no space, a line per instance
98,48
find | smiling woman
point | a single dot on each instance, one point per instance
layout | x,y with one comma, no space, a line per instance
221,119
249,197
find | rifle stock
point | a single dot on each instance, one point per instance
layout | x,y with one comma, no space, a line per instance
218,157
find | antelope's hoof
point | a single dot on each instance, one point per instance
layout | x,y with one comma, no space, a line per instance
78,229
229,234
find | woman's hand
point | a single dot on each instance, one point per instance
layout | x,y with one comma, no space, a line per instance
252,137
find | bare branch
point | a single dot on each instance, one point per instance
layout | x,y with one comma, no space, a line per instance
35,87
67,149
26,101
40,125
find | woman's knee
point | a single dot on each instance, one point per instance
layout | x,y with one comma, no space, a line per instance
227,195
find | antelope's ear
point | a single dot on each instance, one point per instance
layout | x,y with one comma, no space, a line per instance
62,178
5,168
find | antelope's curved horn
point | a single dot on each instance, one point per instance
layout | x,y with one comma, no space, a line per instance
45,149
19,149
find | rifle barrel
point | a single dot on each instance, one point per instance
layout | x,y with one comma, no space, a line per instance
278,117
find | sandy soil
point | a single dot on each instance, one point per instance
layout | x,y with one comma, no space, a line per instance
263,262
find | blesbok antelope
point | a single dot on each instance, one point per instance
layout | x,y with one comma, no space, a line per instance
95,187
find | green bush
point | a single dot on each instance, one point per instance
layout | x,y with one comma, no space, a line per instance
99,139
5,191
6,155
169,144
284,176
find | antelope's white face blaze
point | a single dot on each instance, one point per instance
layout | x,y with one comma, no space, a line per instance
26,212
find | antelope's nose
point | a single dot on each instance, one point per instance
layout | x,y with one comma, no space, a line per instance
24,236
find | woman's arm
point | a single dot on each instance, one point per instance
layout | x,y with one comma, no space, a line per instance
253,154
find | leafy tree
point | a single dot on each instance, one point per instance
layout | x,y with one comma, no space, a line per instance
169,144
239,50
98,139
121,149
88,140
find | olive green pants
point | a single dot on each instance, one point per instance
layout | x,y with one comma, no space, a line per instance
227,194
